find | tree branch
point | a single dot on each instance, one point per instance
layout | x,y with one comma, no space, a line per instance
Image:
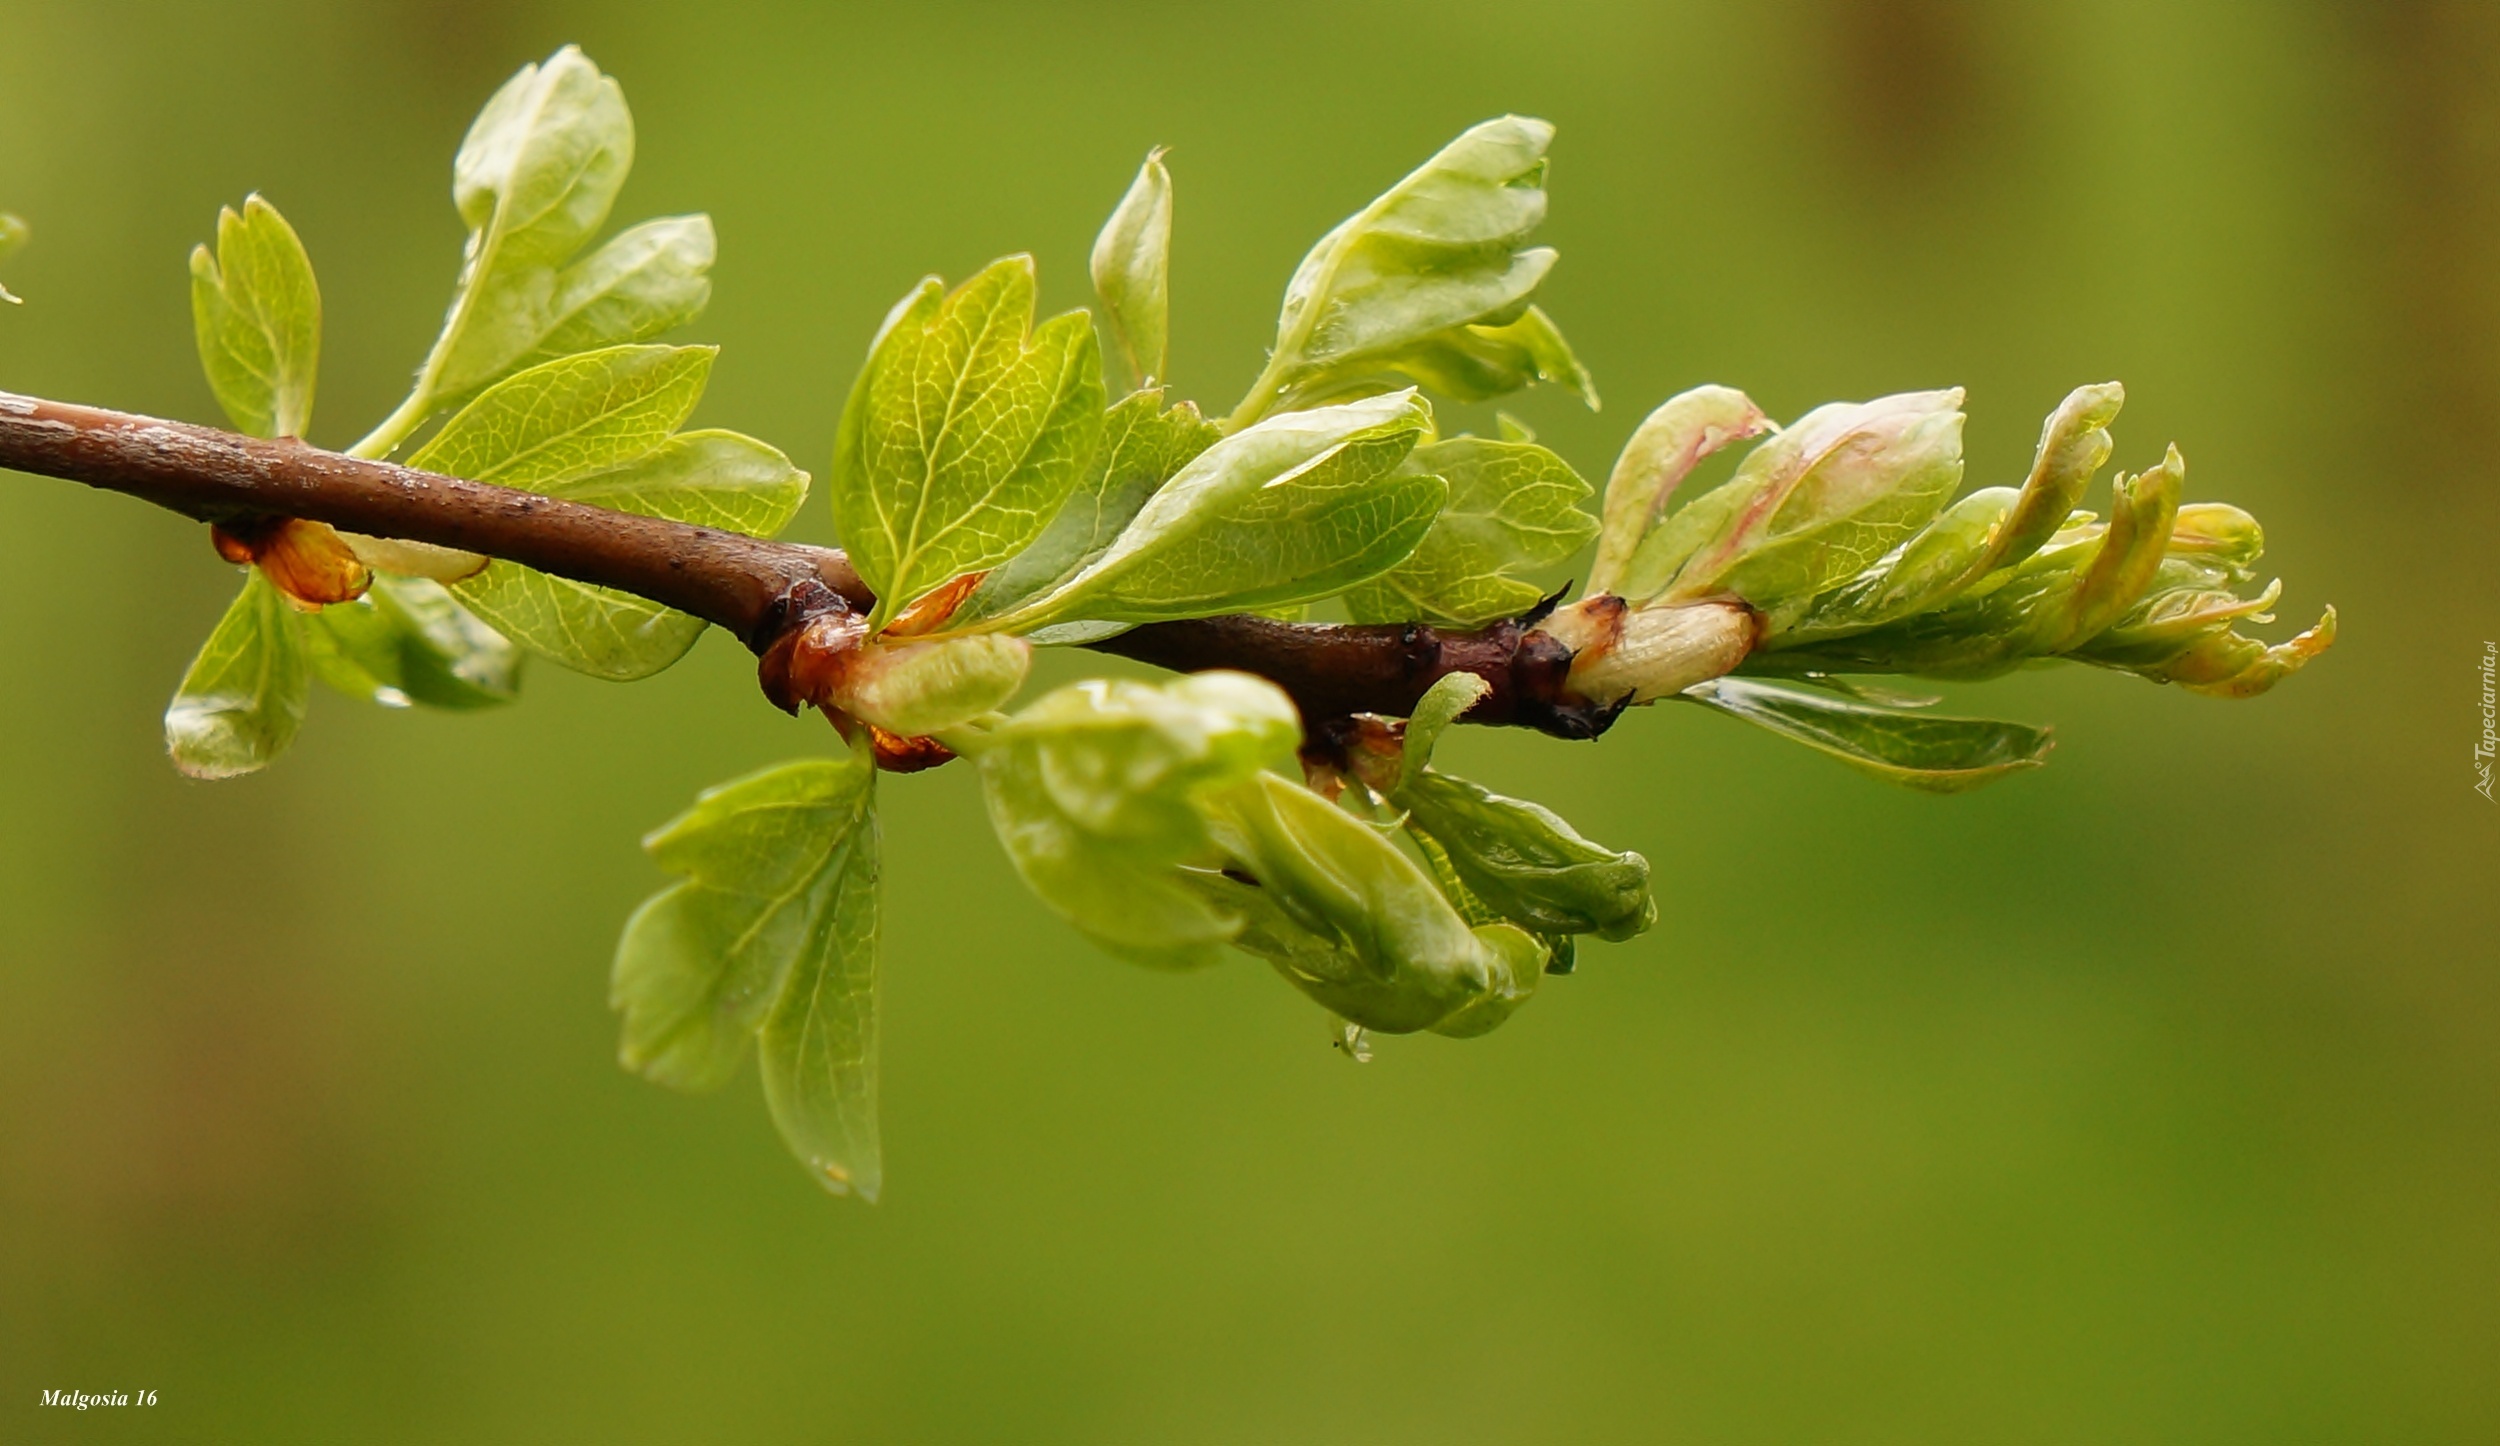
757,589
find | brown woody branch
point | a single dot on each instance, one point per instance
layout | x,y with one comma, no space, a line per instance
757,589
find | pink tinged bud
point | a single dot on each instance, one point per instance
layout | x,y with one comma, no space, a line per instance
1838,463
1662,453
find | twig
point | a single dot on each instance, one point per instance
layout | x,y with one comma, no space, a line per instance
757,589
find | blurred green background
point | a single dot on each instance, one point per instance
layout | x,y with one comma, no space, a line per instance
2148,1098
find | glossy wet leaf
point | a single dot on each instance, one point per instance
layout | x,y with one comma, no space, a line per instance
1441,250
771,933
1354,923
964,434
1296,508
1143,445
1132,266
1522,861
256,312
1513,507
1097,792
1921,750
243,698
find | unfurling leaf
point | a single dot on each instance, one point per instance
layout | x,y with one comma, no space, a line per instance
257,314
1394,284
1469,363
601,427
1132,267
1142,446
913,688
405,641
1663,451
1505,858
243,699
1816,504
964,434
1097,795
1443,704
1922,750
772,932
1297,508
1522,861
1354,923
1512,506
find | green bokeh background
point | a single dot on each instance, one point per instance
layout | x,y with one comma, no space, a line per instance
2148,1098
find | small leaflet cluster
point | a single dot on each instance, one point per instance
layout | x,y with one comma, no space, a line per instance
997,497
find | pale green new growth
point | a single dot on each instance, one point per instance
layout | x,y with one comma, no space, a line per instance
601,427
1297,508
1940,755
964,434
1428,282
1132,267
993,502
535,179
257,311
1143,445
1095,792
1513,506
243,699
406,641
772,933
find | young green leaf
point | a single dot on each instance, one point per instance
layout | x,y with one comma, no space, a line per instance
1922,573
772,931
2074,443
535,178
600,427
915,687
964,434
1355,924
1513,506
257,313
1921,750
1663,451
405,641
1437,252
243,699
1096,790
1473,363
1443,704
1142,446
571,418
643,281
1821,501
1521,860
1299,507
1132,267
